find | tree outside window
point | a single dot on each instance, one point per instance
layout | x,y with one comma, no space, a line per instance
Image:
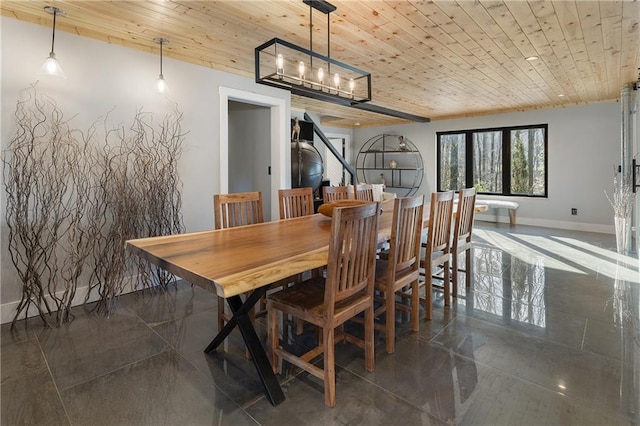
527,161
487,161
503,161
452,163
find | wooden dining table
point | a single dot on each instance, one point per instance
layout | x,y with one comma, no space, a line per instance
247,259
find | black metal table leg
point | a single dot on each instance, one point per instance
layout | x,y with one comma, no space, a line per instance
242,309
241,318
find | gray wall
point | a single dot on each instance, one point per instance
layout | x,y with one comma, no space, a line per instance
108,79
584,148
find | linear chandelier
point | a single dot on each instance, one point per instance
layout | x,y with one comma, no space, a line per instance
303,72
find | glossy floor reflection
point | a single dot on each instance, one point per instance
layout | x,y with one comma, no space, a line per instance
547,333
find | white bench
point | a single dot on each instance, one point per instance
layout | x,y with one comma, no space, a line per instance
512,206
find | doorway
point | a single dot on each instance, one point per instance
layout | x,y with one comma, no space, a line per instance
280,153
334,171
249,150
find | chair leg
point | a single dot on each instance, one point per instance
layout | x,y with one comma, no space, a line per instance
447,284
428,290
272,319
369,356
467,265
329,367
454,273
390,320
221,302
415,305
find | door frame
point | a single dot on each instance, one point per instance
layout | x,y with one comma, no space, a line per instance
347,142
280,152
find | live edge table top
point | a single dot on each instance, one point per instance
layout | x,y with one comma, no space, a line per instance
232,261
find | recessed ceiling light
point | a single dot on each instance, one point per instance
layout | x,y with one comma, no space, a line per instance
532,58
561,95
357,123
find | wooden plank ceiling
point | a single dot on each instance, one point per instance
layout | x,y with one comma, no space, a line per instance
438,59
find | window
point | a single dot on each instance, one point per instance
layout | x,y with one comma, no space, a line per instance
504,161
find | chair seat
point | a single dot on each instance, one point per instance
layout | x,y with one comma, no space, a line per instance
306,299
403,277
438,257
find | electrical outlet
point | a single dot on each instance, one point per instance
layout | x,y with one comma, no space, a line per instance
574,211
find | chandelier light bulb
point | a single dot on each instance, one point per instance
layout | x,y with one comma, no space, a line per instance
320,75
336,80
301,70
280,64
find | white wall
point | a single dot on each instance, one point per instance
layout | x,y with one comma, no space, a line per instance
103,78
584,148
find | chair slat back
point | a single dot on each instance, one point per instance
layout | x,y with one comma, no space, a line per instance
406,234
363,191
334,193
439,235
239,209
295,202
352,253
464,219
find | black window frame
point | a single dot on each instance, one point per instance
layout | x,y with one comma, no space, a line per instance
506,157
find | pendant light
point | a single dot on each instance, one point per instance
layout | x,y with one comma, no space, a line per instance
161,85
51,65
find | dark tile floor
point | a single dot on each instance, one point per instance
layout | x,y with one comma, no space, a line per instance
548,333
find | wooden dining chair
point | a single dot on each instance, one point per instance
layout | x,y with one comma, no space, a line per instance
438,247
461,239
238,209
334,193
327,303
400,273
295,202
363,191
231,210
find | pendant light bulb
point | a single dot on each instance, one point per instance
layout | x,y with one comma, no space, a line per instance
161,85
51,65
320,75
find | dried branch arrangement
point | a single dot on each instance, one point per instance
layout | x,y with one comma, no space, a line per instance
623,197
72,203
41,175
138,195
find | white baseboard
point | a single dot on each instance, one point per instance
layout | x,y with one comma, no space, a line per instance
8,310
558,224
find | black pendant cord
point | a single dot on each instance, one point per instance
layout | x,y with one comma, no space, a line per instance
329,35
161,43
53,36
310,37
329,44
